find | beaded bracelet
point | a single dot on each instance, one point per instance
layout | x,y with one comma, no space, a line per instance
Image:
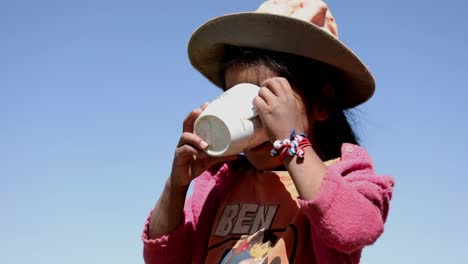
292,146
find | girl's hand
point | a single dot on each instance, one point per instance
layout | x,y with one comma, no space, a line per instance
190,160
278,109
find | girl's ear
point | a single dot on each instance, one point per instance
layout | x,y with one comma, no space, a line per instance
323,109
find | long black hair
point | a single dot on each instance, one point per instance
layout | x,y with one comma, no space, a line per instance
309,79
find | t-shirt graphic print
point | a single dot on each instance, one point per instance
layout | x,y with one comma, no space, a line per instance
259,222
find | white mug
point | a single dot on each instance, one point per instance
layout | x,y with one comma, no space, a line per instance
230,124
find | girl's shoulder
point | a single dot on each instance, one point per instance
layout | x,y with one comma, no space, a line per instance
351,153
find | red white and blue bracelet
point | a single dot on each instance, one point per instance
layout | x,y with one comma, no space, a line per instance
293,146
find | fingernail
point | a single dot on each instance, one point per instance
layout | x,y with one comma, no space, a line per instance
203,144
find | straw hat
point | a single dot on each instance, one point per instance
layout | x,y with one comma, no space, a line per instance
300,27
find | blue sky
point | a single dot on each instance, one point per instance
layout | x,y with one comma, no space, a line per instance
93,94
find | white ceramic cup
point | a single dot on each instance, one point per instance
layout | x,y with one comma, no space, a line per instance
230,123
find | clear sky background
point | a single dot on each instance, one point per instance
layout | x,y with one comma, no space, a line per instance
93,94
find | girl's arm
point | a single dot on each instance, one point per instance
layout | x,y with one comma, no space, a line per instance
346,203
301,170
169,229
168,211
182,243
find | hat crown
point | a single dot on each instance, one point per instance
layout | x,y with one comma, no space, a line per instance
311,11
303,28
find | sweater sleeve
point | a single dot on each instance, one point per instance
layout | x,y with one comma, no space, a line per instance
174,247
352,205
180,245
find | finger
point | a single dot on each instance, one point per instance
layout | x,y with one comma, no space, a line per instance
259,104
190,119
267,95
284,85
204,106
188,138
274,85
187,151
281,87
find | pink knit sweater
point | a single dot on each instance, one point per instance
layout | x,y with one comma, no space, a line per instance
348,213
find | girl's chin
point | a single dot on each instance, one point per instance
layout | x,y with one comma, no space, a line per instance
261,159
264,166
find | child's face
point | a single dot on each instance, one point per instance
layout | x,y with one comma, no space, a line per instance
260,156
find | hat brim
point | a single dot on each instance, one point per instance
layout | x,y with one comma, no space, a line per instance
208,44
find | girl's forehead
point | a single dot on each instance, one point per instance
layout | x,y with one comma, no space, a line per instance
254,74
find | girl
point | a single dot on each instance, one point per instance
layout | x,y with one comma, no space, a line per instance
321,206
